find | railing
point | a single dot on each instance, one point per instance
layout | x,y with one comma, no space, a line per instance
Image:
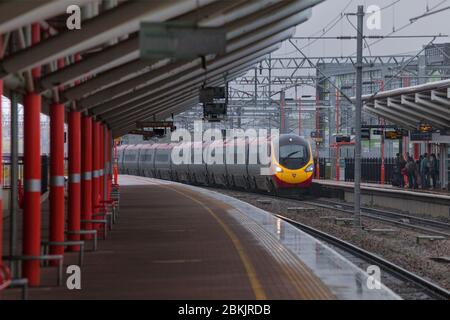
370,169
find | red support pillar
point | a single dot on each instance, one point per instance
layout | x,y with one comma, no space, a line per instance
74,178
109,167
1,162
382,123
338,116
32,176
383,169
299,116
95,164
416,151
56,233
86,171
115,168
318,133
338,164
101,171
32,196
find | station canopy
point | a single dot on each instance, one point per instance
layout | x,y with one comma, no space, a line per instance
103,74
410,107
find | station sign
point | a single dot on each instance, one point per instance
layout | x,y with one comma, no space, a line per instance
365,134
342,138
214,112
392,135
180,40
395,134
421,136
425,127
377,132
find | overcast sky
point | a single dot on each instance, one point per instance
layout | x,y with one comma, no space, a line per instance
392,17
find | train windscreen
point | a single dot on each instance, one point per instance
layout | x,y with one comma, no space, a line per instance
293,152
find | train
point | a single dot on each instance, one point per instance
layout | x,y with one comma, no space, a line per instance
290,164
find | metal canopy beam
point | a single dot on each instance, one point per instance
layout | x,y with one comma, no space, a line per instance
169,98
413,121
94,63
212,78
218,80
128,48
16,14
147,90
435,115
292,18
372,110
114,23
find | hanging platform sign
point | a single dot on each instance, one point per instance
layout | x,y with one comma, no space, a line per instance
420,136
180,40
365,134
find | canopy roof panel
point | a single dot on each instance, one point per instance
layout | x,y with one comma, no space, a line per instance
410,106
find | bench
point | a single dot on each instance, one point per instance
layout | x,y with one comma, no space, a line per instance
16,259
86,232
99,221
47,244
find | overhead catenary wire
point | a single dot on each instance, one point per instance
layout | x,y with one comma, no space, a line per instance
405,25
402,68
328,27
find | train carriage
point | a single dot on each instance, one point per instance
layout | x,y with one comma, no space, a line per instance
146,160
162,160
290,162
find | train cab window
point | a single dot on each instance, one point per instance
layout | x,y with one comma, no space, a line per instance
293,152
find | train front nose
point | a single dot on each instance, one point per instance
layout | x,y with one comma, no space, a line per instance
294,178
294,166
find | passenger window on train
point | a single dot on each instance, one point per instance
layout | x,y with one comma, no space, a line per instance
162,157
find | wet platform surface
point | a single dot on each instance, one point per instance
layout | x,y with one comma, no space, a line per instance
174,241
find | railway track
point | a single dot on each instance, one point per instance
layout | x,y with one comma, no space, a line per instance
420,285
400,219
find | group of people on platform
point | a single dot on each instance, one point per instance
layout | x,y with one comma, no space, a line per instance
423,172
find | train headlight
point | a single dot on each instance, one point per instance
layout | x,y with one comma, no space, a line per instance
310,168
278,169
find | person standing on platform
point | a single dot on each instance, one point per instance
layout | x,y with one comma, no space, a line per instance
411,169
424,170
398,166
433,169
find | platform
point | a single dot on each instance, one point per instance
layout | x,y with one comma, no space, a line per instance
415,201
176,241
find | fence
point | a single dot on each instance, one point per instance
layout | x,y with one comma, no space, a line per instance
45,166
370,169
